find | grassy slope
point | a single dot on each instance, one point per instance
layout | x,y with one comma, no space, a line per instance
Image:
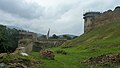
102,40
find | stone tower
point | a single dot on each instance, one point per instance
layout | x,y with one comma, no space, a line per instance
47,36
88,20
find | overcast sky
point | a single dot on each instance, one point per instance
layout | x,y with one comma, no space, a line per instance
61,16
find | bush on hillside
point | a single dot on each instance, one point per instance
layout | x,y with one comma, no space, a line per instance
61,52
8,39
67,46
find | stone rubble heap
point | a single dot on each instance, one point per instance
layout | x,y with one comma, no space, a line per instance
47,54
103,59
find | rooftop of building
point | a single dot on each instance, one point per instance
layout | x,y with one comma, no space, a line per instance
91,13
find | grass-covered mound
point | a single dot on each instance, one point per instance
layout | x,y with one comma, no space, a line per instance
18,61
107,35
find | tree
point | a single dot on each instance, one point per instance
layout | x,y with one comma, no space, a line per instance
8,39
12,35
67,37
75,37
55,36
3,39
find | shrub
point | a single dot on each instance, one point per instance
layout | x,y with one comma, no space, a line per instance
6,58
67,46
47,54
61,52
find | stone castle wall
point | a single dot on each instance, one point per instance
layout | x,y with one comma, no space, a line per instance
26,40
27,35
38,45
30,42
89,18
107,17
94,19
27,45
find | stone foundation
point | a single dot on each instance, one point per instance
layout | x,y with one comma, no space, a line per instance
38,45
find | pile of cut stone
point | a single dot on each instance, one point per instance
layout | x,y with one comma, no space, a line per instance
47,54
103,59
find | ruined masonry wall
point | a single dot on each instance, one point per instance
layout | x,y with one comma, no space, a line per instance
38,45
92,21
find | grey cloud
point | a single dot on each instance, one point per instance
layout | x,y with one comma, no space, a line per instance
56,12
21,8
64,18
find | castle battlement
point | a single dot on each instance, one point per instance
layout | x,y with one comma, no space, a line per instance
88,20
95,19
28,35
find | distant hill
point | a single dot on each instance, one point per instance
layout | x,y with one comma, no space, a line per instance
19,28
61,36
68,35
39,35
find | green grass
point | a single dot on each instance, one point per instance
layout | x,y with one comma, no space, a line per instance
71,60
99,41
74,57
